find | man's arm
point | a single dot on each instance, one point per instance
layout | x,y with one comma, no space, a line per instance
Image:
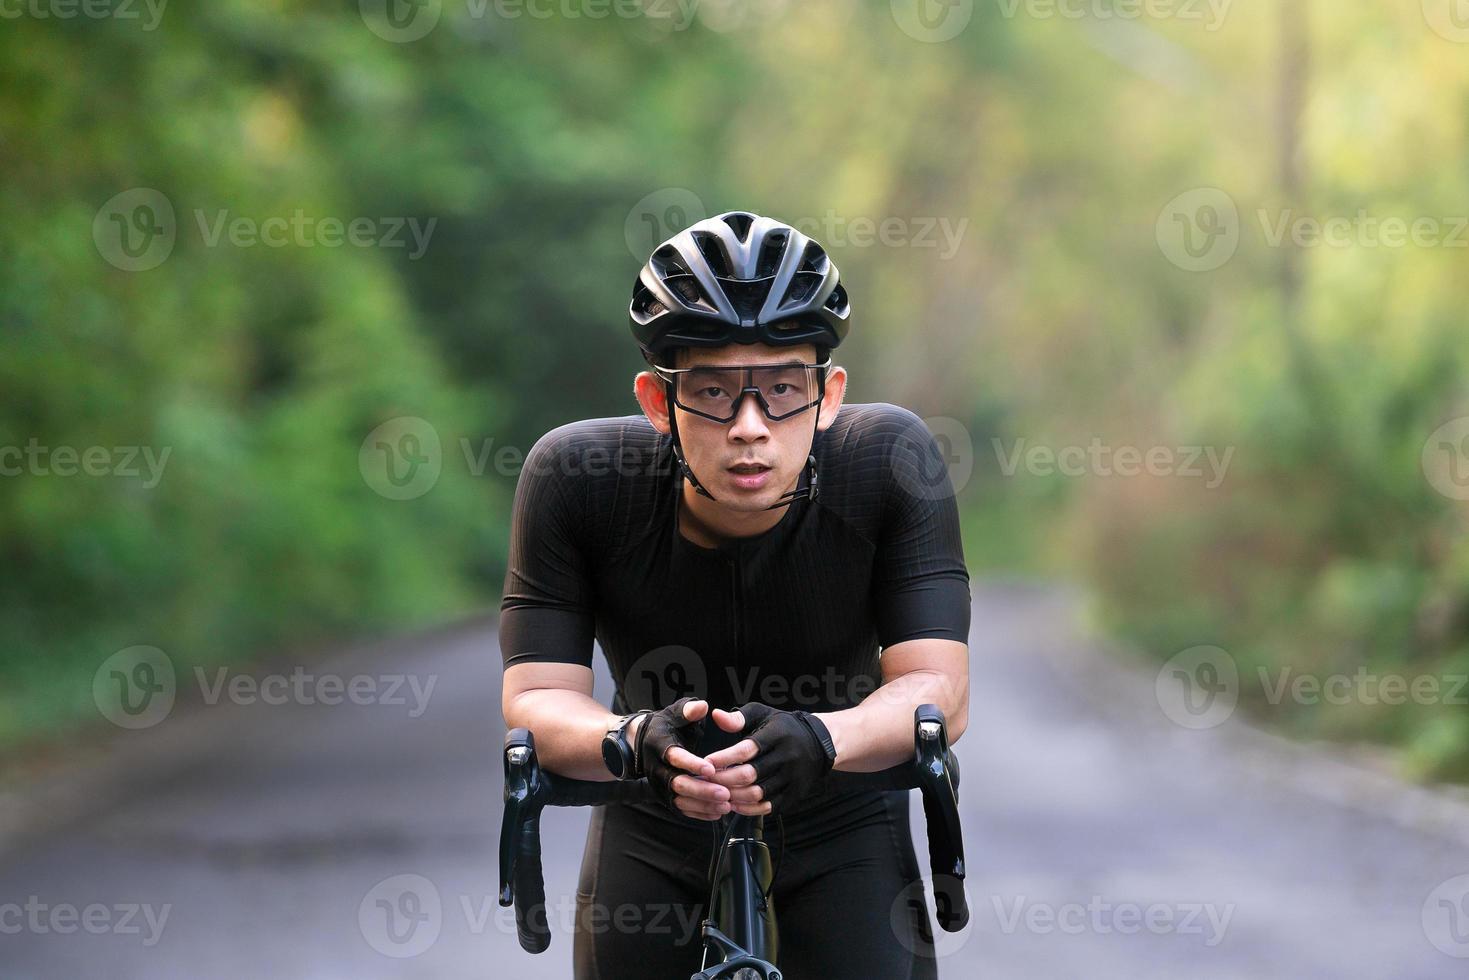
878,733
554,700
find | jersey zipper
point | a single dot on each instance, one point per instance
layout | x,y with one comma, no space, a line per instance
736,597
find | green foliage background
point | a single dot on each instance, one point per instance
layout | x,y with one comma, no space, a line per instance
543,149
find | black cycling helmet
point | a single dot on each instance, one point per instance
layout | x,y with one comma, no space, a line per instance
738,278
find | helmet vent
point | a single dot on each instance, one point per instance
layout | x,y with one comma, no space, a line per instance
668,262
688,288
713,254
837,301
747,296
643,302
814,260
803,287
771,251
740,222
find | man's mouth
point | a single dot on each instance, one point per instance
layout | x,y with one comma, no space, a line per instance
748,469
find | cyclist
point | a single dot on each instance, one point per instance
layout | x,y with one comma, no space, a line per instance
753,569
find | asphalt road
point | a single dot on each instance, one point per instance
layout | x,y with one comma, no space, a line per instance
359,840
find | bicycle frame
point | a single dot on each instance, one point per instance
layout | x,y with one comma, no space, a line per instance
741,928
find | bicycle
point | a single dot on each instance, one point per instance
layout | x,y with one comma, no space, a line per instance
740,934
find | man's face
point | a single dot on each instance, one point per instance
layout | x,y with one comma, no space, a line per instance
718,451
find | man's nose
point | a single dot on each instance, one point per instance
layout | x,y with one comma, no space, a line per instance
749,420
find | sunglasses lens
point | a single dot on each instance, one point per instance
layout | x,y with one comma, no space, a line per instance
714,391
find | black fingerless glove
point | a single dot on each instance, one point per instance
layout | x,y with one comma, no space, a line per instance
658,733
795,753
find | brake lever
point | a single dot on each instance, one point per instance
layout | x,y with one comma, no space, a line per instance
939,786
527,787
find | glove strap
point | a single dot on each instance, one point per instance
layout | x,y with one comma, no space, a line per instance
823,734
637,752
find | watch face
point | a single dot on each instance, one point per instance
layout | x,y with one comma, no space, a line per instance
612,756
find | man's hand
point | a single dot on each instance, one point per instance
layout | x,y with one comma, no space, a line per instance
664,741
783,760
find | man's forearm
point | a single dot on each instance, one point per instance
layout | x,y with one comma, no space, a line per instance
568,727
878,733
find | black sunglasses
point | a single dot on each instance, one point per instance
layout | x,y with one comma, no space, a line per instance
714,391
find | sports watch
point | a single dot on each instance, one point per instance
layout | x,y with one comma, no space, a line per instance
616,752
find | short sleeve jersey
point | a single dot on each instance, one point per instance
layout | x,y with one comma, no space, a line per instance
795,616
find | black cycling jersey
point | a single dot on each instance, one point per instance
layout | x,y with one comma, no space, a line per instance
793,616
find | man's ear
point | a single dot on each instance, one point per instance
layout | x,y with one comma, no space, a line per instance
836,390
652,395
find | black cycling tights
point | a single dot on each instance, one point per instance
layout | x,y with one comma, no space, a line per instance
848,895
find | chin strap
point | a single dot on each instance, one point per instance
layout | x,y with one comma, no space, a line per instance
811,489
